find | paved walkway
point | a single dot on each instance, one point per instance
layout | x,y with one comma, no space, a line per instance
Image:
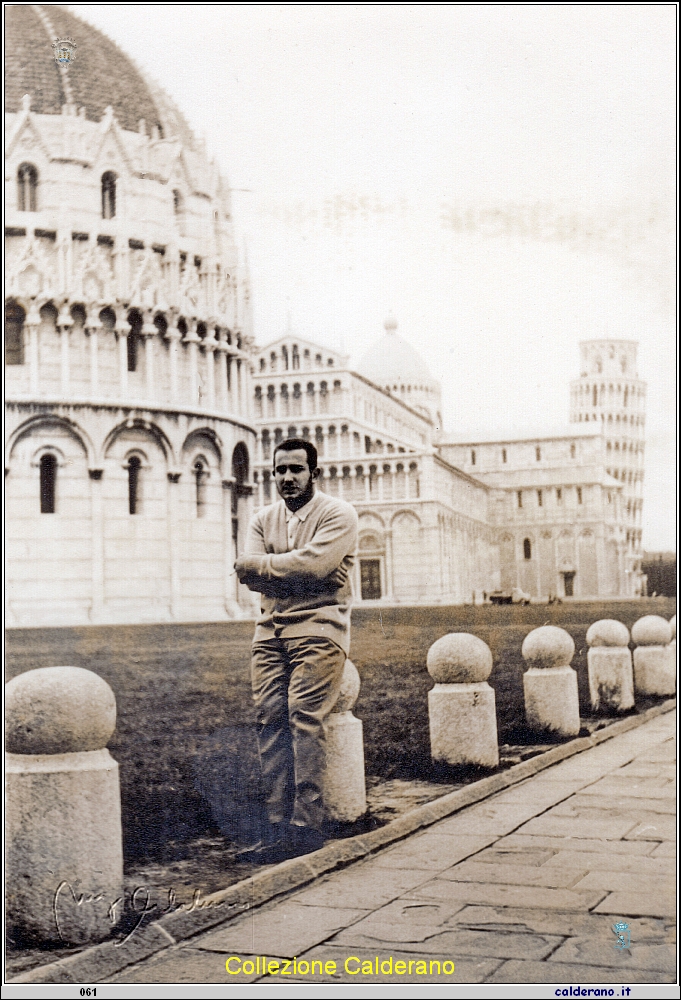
522,888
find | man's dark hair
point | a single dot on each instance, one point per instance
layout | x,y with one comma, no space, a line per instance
296,444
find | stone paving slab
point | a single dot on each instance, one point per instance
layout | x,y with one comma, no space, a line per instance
518,874
432,851
182,965
635,848
661,957
363,884
590,805
559,972
284,931
627,882
508,895
653,930
607,862
609,828
638,904
466,969
667,849
654,828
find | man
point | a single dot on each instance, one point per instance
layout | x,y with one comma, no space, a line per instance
299,556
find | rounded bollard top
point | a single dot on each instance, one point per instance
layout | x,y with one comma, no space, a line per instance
349,689
652,630
672,625
607,632
548,646
459,658
58,710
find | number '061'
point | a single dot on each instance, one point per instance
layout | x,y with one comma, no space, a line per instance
88,992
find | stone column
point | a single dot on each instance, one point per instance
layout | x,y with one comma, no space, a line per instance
123,329
32,325
93,325
344,785
221,348
461,706
654,668
389,571
173,336
193,340
229,548
64,839
550,683
209,346
611,676
64,324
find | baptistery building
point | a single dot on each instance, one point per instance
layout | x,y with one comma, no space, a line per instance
130,442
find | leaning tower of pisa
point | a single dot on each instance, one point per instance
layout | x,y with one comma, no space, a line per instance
609,393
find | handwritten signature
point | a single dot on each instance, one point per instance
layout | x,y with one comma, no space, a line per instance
136,905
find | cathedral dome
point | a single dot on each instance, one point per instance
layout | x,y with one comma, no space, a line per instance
394,365
100,76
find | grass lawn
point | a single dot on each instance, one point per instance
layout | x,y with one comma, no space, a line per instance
185,738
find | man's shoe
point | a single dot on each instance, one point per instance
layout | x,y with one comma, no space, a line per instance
265,854
305,840
274,846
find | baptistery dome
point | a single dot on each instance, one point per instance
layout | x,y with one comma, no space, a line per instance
127,343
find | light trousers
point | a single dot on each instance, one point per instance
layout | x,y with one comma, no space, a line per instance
295,686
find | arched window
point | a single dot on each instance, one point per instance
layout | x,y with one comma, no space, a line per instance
27,188
266,446
503,455
537,453
133,339
527,548
108,195
595,396
473,457
178,204
240,468
14,334
573,451
295,357
540,498
263,364
323,397
48,483
319,440
579,494
284,354
134,467
284,400
271,401
201,476
519,495
258,401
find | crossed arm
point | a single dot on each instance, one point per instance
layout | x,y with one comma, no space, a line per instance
319,562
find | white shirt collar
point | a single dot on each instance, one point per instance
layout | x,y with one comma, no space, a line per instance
302,513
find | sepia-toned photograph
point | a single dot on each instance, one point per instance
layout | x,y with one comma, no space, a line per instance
340,497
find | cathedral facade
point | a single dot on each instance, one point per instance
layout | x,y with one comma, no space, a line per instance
142,419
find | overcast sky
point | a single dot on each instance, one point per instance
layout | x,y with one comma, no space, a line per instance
501,177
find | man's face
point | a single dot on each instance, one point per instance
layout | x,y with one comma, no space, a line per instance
292,474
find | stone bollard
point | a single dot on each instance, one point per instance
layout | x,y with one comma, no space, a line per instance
64,860
345,797
611,676
461,706
550,683
654,666
672,644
